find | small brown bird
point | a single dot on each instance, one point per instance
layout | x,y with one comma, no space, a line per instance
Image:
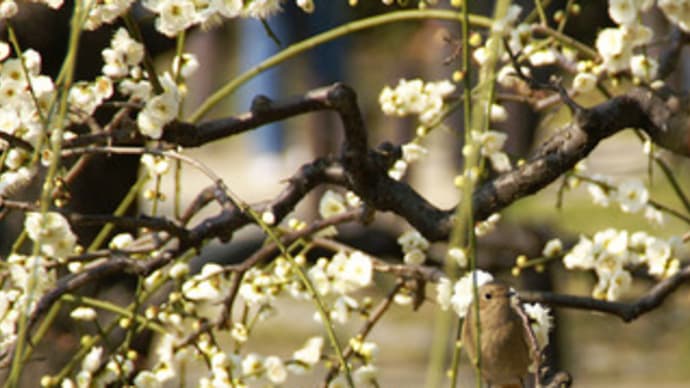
505,349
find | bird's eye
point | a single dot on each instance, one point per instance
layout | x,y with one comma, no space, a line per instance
487,296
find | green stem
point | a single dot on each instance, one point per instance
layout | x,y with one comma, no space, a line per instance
326,319
327,36
125,312
567,41
69,65
540,10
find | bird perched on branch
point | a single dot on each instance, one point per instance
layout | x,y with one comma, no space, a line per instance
505,350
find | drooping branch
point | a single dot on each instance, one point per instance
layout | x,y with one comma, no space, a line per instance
364,170
626,311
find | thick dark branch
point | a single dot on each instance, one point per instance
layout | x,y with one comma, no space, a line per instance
669,57
263,111
626,311
15,141
563,150
365,171
152,223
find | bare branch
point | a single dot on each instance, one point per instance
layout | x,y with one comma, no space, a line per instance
626,311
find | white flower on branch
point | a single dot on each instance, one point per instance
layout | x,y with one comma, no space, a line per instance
632,196
52,231
584,82
542,322
613,48
677,12
83,314
463,293
310,353
553,247
159,110
644,67
275,369
414,97
331,204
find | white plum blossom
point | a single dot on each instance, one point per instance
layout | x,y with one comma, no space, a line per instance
159,110
482,228
186,65
275,369
365,376
623,11
123,53
8,8
310,353
92,360
121,241
463,293
459,256
331,204
542,322
252,365
12,181
632,196
504,25
444,291
174,16
600,194
613,48
105,12
262,9
398,170
491,145
412,152
644,67
677,12
268,217
156,165
414,97
553,247
584,82
83,314
413,246
349,272
52,231
306,5
612,253
498,113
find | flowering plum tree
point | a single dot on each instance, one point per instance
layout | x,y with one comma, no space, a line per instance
499,58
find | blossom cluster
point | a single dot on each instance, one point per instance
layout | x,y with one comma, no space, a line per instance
414,246
9,8
616,45
202,297
25,281
631,195
411,152
415,97
612,253
175,16
99,371
25,96
490,145
51,232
